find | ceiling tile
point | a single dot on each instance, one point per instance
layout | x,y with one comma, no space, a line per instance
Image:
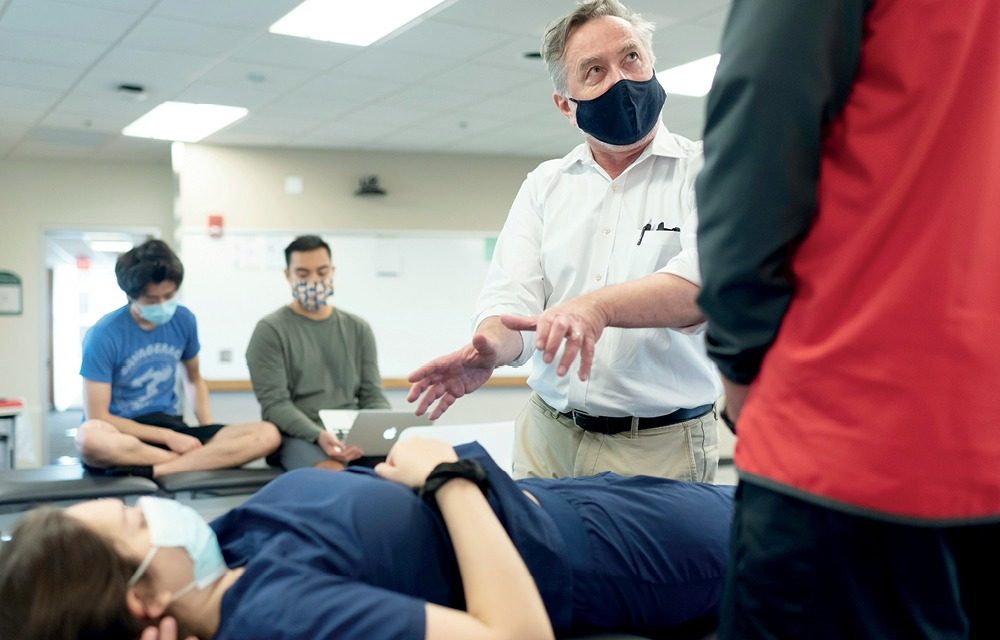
481,79
510,55
446,40
232,13
282,127
336,86
29,47
529,18
464,64
131,6
387,64
166,34
94,121
683,43
295,53
345,134
73,21
428,98
382,114
25,98
68,137
247,97
38,76
252,75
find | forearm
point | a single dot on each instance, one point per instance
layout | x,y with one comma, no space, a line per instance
202,407
657,300
289,419
487,558
509,342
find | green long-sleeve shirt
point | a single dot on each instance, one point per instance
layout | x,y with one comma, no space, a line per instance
299,366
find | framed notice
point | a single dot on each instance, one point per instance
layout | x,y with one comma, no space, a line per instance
11,298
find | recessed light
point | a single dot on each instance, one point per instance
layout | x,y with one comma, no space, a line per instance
357,23
691,78
183,121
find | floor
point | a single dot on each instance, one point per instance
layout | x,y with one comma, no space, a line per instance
61,427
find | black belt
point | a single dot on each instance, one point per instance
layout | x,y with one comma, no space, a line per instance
608,426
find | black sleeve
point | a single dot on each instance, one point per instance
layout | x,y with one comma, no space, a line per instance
786,70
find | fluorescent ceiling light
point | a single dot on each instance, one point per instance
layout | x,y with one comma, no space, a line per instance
110,246
357,23
183,121
691,78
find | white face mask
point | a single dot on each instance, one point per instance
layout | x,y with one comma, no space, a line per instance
172,524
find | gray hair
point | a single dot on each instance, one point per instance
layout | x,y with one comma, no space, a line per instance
554,41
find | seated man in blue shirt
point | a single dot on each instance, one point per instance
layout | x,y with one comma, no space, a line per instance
129,367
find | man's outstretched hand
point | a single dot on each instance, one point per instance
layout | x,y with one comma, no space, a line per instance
450,377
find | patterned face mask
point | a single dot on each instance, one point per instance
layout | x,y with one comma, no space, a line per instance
312,296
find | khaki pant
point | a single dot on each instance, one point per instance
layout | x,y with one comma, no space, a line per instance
549,445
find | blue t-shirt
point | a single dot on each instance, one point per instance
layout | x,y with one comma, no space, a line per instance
351,556
140,365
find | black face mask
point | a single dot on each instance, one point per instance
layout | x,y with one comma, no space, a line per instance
623,114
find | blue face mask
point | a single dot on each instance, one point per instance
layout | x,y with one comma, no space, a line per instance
623,114
172,524
158,313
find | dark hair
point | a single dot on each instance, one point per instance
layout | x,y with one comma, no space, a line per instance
150,262
61,581
305,243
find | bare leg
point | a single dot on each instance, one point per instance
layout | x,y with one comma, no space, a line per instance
233,446
102,445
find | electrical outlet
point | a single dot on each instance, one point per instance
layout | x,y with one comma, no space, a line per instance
226,355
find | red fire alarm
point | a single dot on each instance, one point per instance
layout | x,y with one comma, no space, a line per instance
83,263
215,225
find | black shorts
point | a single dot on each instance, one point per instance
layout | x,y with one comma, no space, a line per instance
204,433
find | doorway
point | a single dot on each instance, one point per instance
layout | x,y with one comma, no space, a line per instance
80,273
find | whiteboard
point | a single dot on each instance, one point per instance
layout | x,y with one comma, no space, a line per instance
418,291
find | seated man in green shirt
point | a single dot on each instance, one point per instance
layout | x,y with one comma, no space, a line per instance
308,356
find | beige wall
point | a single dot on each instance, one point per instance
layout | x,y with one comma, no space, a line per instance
37,195
425,191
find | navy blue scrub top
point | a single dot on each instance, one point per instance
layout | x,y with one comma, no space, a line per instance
348,555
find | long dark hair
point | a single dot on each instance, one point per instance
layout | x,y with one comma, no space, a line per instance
62,581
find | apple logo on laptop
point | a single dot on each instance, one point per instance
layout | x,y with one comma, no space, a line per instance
390,433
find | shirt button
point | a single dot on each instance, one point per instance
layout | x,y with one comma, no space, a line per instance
598,277
614,187
605,231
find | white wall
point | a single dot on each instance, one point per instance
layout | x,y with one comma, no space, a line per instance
41,194
425,191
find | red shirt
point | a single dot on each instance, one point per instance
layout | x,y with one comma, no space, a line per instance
881,390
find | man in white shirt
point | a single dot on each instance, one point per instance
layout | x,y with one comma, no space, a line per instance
604,237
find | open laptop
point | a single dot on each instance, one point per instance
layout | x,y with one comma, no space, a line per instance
374,430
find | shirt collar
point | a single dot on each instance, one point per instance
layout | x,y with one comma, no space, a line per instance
664,144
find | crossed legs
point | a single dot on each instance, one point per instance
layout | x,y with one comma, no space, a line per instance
102,445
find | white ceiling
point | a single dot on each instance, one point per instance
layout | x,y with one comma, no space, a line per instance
455,81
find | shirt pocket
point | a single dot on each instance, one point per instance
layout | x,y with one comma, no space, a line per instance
655,251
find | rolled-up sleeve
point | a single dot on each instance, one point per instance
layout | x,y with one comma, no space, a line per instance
514,282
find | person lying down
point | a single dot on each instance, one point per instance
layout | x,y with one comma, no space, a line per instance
359,555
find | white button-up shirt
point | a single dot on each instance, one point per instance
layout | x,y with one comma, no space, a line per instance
572,230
